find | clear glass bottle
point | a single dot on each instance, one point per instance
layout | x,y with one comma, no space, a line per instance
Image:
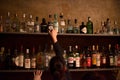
69,27
8,23
15,23
30,24
62,24
89,26
76,27
116,28
23,23
56,23
37,25
50,22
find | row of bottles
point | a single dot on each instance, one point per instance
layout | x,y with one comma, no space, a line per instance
28,59
92,57
75,58
14,23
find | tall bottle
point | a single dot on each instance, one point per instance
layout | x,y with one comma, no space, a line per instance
33,59
15,60
98,57
88,58
56,23
40,59
2,58
37,25
1,24
8,23
103,57
70,58
76,57
76,27
65,56
21,58
62,24
8,60
27,60
50,22
83,29
111,56
23,23
116,28
43,25
30,24
94,56
89,26
15,23
69,27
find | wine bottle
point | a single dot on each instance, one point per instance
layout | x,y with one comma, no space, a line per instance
89,26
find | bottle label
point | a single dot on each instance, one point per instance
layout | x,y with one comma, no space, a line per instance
27,63
77,62
33,63
89,61
111,60
21,58
70,60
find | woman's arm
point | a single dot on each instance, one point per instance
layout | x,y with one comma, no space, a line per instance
57,48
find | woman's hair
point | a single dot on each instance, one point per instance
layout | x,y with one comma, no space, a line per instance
57,67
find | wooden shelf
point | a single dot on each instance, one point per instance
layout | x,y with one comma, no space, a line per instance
71,70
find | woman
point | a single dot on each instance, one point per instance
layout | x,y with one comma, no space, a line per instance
57,68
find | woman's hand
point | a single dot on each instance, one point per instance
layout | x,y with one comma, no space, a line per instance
53,34
37,75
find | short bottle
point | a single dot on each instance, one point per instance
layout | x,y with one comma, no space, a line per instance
37,25
69,26
44,26
76,27
83,29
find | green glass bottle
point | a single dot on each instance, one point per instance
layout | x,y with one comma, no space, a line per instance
89,26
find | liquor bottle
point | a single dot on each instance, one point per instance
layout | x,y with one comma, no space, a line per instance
76,27
8,23
65,56
30,24
103,58
15,24
83,61
23,23
94,58
116,55
15,60
37,25
76,58
98,57
8,60
40,59
27,59
21,58
118,52
47,57
50,22
88,58
62,24
43,25
70,58
1,24
116,28
51,51
69,27
33,59
111,56
89,26
56,23
83,28
2,58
